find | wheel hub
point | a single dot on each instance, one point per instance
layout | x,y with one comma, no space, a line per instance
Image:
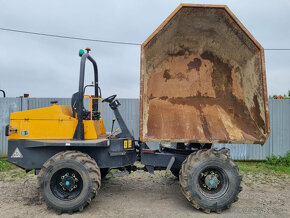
211,181
68,182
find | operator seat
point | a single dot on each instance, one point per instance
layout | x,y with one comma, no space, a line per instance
74,105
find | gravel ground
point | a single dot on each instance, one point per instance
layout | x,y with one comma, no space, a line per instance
141,194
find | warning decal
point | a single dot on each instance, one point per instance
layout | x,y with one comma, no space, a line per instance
16,154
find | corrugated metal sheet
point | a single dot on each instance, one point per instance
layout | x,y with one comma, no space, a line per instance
129,110
278,143
7,106
33,103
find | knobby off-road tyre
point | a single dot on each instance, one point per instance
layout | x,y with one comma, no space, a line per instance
210,180
69,181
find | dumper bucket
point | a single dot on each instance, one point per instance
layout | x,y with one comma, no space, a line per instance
203,80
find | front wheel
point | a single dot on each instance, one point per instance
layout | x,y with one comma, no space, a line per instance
69,181
210,180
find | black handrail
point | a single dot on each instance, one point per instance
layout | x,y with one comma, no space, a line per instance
4,94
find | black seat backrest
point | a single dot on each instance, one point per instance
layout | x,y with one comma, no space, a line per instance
74,103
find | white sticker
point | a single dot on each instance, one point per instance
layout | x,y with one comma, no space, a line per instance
16,154
24,132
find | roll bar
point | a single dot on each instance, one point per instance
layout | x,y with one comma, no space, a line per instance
79,133
4,94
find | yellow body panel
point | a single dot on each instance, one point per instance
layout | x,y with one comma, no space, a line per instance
54,112
94,128
55,122
43,129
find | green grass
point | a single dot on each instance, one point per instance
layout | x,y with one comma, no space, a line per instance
10,172
5,165
279,161
262,167
274,164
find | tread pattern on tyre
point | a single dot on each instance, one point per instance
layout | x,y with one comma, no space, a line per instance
88,162
187,166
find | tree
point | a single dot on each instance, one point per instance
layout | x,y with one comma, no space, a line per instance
285,96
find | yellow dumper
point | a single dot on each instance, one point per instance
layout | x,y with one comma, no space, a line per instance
202,81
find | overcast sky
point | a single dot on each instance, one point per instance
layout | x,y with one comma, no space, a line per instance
49,67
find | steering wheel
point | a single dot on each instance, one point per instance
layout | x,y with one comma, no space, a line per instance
109,99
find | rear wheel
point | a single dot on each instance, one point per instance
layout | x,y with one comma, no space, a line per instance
210,180
69,181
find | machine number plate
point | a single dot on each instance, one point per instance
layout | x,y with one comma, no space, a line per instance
24,132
